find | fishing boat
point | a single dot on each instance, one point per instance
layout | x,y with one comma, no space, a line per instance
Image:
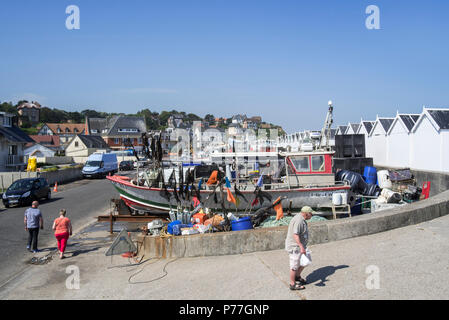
304,178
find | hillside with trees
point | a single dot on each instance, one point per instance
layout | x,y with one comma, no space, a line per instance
154,120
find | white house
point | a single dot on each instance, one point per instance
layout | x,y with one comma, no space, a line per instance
377,144
430,141
12,144
39,151
85,145
399,140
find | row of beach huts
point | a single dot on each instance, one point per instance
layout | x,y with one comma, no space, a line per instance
415,141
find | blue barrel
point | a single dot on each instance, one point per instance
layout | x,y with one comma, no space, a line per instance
177,228
241,224
171,225
370,175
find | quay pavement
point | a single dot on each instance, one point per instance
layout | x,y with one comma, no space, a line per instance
404,263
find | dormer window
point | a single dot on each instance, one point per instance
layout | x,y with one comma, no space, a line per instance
67,130
127,130
75,130
59,130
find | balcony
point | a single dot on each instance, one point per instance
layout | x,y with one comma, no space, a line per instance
16,160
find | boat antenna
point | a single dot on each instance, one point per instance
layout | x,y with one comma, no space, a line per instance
326,131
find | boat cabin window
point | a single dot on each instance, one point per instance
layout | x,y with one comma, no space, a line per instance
301,163
317,163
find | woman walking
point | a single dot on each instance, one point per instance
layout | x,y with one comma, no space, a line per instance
63,229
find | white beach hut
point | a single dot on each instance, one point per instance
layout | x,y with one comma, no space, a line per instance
429,146
399,140
377,144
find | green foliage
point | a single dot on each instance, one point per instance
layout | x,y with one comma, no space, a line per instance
49,168
209,118
8,107
30,131
151,119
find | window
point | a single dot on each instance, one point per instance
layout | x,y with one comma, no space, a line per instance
59,130
317,163
12,150
76,144
127,130
116,140
36,184
94,131
67,130
7,121
301,164
75,130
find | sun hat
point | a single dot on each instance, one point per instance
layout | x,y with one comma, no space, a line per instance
307,209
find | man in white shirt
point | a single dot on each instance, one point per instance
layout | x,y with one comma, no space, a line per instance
296,245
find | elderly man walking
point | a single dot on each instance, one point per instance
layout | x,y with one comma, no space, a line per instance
296,245
33,219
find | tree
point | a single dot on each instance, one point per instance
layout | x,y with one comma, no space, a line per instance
8,107
193,117
151,119
94,114
210,118
25,121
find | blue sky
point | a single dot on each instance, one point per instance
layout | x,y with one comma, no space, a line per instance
282,60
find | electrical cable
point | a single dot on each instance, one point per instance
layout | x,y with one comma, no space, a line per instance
164,269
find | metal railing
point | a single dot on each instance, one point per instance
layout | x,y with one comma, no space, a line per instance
13,160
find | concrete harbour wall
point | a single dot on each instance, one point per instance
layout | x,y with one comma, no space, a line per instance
262,239
7,178
62,175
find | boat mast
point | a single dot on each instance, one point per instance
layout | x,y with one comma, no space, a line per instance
326,131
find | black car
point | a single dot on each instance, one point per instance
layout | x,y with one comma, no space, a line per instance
126,165
24,191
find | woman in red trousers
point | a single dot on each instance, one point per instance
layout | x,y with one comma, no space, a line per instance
63,229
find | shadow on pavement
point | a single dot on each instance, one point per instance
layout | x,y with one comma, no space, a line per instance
322,273
82,251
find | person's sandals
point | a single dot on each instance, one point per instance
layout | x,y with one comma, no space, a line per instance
297,286
301,280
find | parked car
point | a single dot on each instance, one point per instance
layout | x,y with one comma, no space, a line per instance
25,191
126,165
100,165
141,163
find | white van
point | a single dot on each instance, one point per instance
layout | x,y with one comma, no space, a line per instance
100,165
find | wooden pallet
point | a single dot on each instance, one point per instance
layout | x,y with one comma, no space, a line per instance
335,210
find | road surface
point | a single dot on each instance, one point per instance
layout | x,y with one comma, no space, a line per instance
84,200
